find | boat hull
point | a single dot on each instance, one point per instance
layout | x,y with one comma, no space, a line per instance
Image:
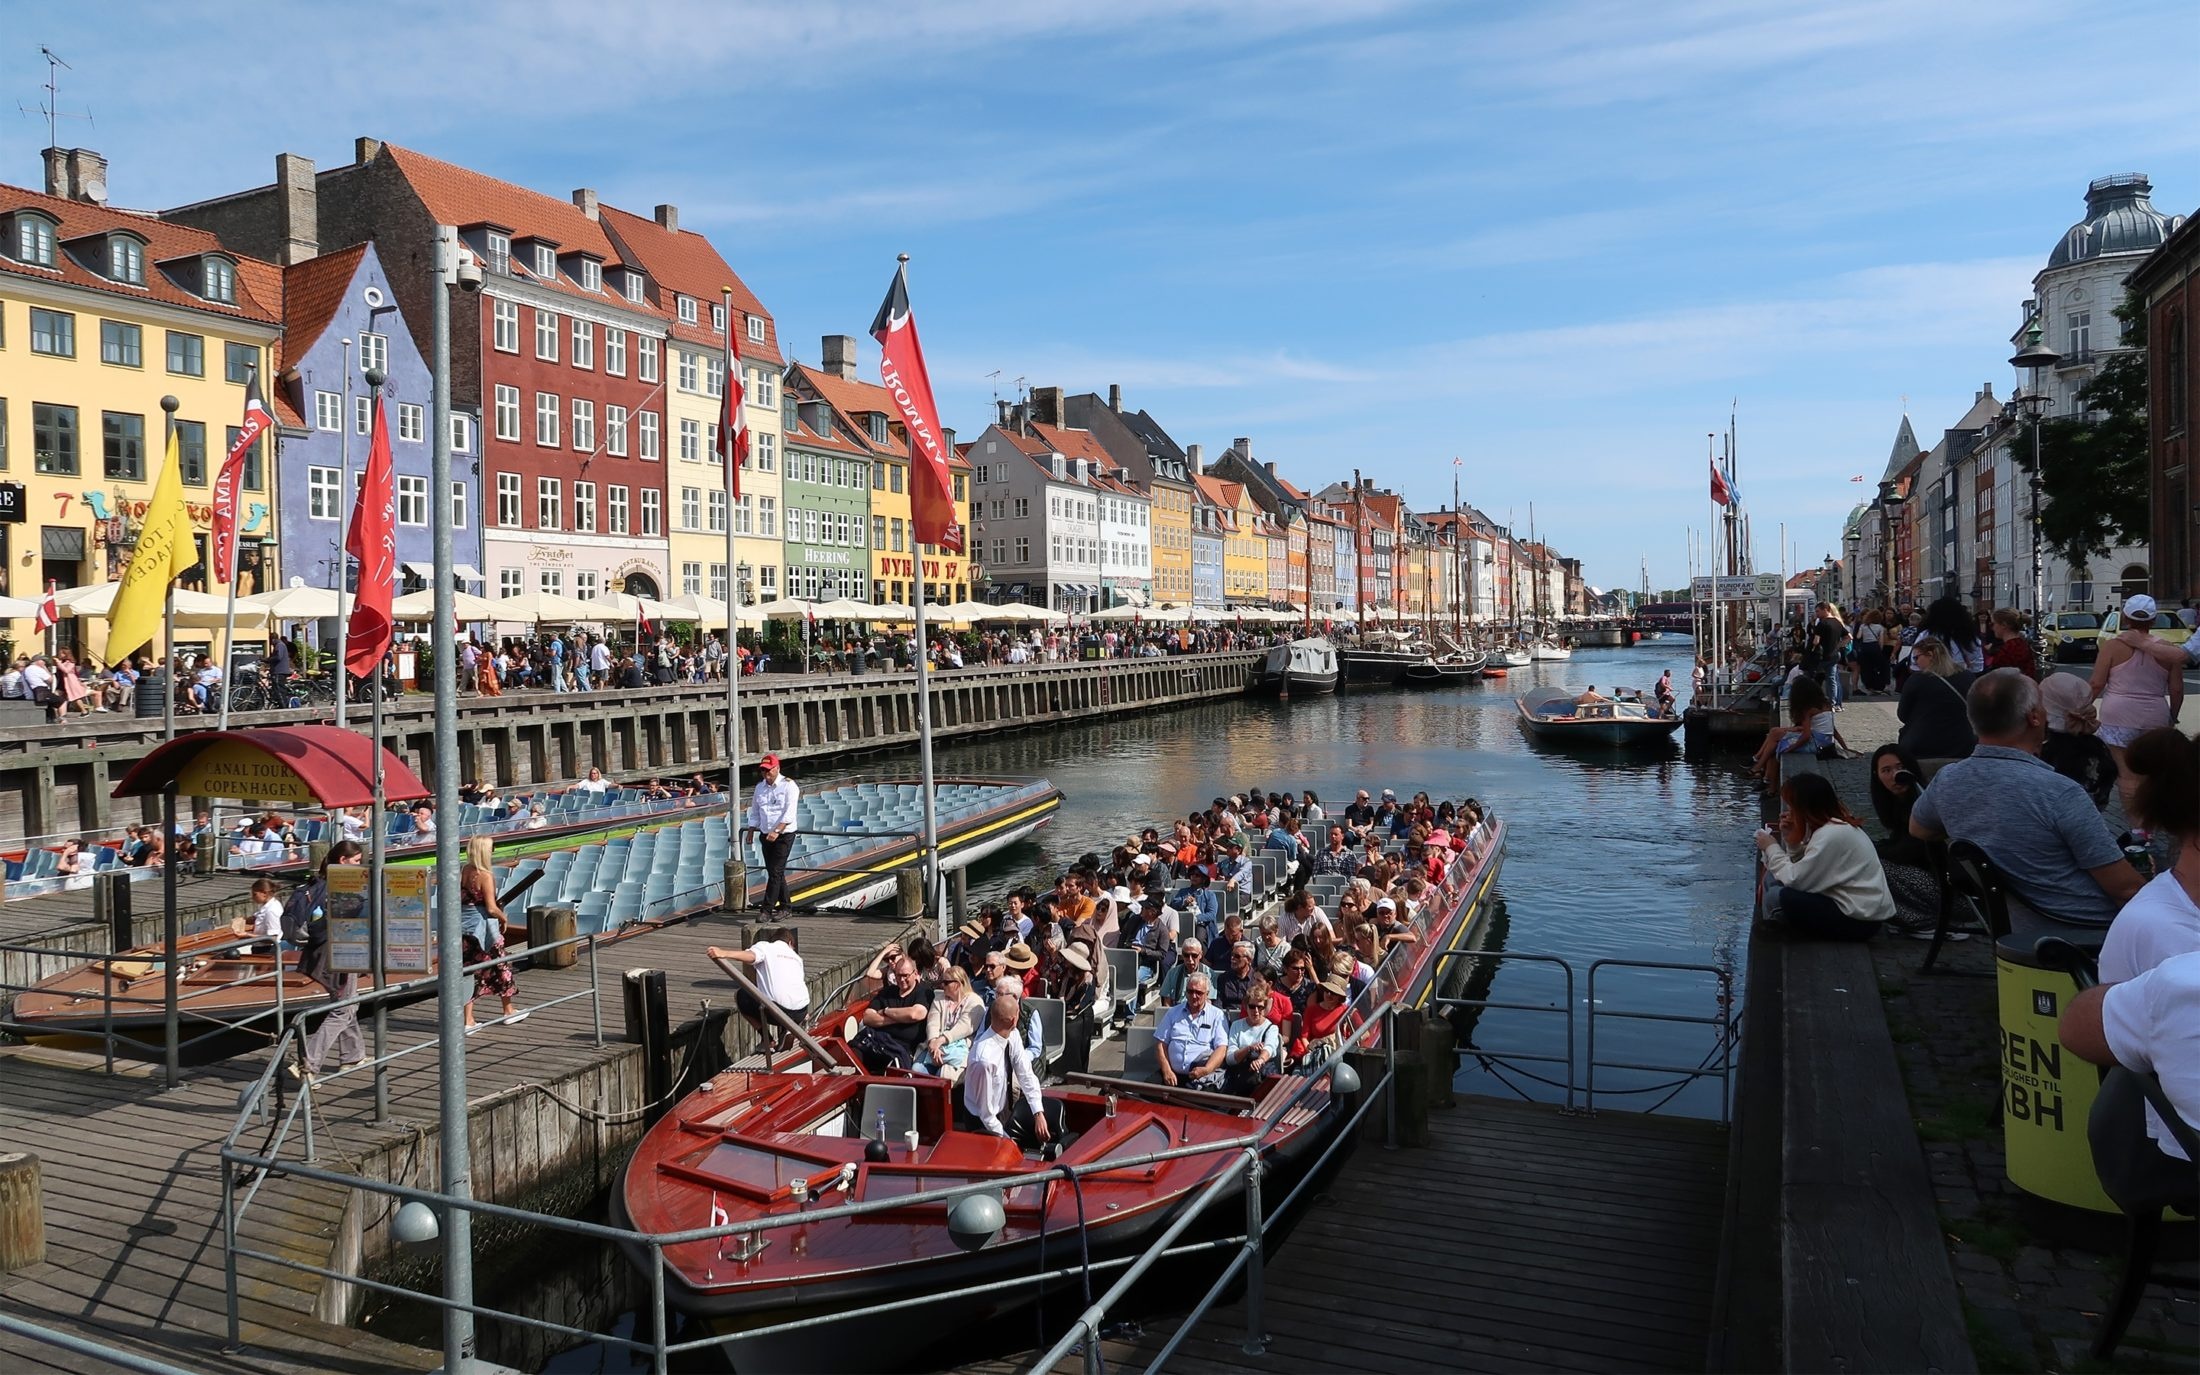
1376,667
1608,733
1294,685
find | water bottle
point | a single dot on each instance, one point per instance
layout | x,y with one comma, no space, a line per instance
882,1126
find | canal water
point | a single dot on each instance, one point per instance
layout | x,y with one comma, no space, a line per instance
1630,856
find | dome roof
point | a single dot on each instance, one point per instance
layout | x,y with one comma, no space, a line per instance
2119,218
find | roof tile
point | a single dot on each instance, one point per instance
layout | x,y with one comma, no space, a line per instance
165,242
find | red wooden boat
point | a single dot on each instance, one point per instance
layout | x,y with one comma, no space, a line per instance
798,1138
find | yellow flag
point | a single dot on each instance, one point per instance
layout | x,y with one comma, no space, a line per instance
164,551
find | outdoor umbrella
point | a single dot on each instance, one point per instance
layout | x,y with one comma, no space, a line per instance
1017,613
792,609
465,606
299,603
13,607
544,608
194,610
622,606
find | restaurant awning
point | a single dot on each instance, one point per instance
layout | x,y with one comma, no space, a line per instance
294,764
468,572
420,570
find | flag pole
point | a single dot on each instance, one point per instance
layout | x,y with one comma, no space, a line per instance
377,833
737,860
343,558
168,710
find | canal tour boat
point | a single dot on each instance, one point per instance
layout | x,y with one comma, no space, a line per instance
1554,716
1301,668
809,1130
851,841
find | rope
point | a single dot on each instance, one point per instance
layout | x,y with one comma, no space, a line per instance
610,1119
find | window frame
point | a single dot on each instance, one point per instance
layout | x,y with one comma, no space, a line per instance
510,513
59,330
549,329
51,423
550,503
410,500
115,441
324,493
121,344
504,326
195,363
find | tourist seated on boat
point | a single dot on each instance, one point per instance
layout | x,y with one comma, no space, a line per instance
893,1021
1294,992
1810,729
1255,1043
2038,827
1822,877
1591,697
594,783
1023,966
1191,962
1335,857
1193,1036
1324,1021
1001,1063
1288,840
1198,895
1366,952
1230,933
1027,1016
1428,863
1235,974
1156,941
1232,869
70,860
956,1016
1078,986
1392,925
1359,813
1932,706
2074,747
1271,947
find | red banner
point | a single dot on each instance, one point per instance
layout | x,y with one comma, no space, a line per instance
373,541
733,424
257,422
901,369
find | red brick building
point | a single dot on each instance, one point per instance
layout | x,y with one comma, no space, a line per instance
2167,283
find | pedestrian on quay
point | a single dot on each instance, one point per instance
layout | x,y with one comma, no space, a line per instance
779,972
2136,691
484,920
305,916
1821,876
772,811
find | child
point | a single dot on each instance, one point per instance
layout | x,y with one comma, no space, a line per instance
267,914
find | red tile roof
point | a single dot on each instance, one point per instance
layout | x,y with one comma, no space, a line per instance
852,398
164,242
312,291
1070,443
685,262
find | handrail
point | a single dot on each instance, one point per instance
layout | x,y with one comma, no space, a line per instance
1724,1020
1566,1010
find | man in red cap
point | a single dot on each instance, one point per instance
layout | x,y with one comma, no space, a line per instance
772,817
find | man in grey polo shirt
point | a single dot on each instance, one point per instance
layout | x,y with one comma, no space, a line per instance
2037,826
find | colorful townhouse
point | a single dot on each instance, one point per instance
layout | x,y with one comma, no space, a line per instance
1156,464
827,490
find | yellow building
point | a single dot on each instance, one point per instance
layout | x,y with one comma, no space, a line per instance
103,313
1244,545
1172,542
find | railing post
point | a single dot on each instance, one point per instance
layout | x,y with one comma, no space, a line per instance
107,1007
229,1255
595,989
305,1114
660,1361
1390,1078
1256,1325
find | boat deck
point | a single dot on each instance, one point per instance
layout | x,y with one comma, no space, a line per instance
1522,1238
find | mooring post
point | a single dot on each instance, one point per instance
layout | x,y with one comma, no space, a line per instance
22,1212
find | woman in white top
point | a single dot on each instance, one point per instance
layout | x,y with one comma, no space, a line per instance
956,1015
1822,876
2162,920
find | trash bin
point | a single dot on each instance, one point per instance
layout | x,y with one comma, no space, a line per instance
2046,1092
857,662
147,698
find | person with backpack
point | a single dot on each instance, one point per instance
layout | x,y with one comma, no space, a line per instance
305,925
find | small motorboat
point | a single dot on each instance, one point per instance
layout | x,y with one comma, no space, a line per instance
1451,668
1560,716
1550,651
1493,671
1302,668
1518,656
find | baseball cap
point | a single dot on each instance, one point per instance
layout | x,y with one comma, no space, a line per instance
1389,795
2139,607
769,761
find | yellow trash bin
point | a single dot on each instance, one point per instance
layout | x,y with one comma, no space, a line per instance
2047,1093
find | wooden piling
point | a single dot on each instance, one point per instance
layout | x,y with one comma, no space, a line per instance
22,1212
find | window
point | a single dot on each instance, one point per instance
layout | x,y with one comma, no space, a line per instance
687,370
691,579
714,375
767,517
324,494
614,351
585,584
1023,507
591,275
614,431
412,422
767,388
412,500
648,420
691,441
584,425
878,532
893,478
584,344
508,582
218,280
34,240
718,512
687,310
508,500
54,332
744,516
546,419
648,345
756,329
504,316
255,479
462,434
718,582
634,286
499,253
652,511
238,362
546,335
374,352
53,439
552,581
691,508
121,344
458,505
764,452
615,510
895,529
507,412
122,439
191,450
584,506
362,414
718,319
186,354
546,262
768,578
2081,337
549,504
125,259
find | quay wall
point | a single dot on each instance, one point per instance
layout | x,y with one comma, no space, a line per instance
59,779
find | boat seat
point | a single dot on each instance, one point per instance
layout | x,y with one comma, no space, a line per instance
1052,1015
897,1101
1130,981
1141,1053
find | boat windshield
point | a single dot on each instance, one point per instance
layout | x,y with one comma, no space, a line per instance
884,1184
769,1171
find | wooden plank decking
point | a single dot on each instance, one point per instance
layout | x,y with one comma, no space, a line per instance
1523,1238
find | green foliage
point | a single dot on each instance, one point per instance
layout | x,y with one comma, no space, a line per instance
2093,471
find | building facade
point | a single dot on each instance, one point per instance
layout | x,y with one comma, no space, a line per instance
2168,285
827,491
1157,466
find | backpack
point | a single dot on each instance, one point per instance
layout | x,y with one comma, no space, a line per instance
299,927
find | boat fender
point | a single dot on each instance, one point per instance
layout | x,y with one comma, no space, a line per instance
847,1178
875,1152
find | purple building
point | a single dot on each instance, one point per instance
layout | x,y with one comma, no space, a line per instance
328,300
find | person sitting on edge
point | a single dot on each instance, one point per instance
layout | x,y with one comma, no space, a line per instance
2038,827
1193,1037
1822,876
1590,697
999,1056
779,973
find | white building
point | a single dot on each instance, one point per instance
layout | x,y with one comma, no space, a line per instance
1058,523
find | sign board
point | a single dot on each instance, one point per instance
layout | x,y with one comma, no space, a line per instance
407,950
233,768
1739,587
14,506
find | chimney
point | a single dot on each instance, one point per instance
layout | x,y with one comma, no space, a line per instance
363,150
76,174
669,217
297,211
1046,405
1985,392
1244,446
57,172
585,198
1270,465
1000,403
1115,398
1191,460
839,350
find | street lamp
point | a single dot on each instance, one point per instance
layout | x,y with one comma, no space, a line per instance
2033,405
1890,507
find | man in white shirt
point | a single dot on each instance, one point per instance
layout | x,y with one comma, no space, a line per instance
778,971
1193,1037
997,1057
771,816
599,659
2149,1023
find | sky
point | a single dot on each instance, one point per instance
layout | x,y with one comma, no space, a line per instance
1561,242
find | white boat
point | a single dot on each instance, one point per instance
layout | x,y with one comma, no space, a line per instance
1549,651
1516,657
1302,668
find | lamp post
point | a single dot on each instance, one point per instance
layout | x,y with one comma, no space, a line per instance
2033,405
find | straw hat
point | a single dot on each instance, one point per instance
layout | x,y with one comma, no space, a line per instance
1075,958
970,930
1020,957
1337,983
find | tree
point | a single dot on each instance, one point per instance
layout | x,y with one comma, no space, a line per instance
2093,471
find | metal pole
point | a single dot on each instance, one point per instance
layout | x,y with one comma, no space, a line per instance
924,758
1256,1326
377,824
2039,603
171,934
457,1171
342,566
737,861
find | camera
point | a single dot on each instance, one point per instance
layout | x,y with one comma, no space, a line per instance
469,270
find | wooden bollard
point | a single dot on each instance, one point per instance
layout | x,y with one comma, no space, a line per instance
22,1212
909,893
548,925
1440,1053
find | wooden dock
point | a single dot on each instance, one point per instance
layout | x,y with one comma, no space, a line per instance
1522,1238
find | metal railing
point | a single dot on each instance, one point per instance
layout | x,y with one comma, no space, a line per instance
1564,1010
1725,1019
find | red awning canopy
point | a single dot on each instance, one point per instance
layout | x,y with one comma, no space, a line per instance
295,764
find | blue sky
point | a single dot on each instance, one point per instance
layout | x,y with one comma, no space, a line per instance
1557,240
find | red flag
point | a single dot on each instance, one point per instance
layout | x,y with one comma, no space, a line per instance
642,625
733,425
257,422
901,369
373,541
49,610
1720,492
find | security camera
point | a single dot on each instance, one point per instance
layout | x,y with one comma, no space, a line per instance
469,270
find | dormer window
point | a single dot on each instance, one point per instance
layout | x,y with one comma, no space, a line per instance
34,240
756,329
125,259
878,427
546,262
218,280
633,285
591,275
718,319
687,310
499,252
